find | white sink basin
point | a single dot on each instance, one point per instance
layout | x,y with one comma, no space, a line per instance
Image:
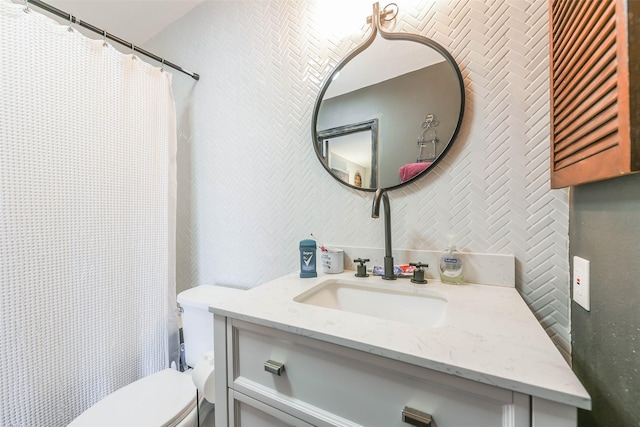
390,300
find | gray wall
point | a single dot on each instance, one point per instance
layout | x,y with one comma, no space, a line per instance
604,228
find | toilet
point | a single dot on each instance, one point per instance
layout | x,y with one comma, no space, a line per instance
168,398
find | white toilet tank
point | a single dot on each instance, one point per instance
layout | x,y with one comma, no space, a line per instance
197,320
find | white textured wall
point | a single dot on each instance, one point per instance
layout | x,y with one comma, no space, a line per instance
250,186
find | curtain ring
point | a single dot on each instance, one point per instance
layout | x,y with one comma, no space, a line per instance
26,6
162,66
104,38
70,29
133,51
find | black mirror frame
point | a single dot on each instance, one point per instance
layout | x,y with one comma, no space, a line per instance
375,28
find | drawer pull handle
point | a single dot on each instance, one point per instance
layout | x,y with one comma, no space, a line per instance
415,417
274,367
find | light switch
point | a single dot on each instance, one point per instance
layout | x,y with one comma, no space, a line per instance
581,282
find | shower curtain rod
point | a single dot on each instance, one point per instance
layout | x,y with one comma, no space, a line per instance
75,20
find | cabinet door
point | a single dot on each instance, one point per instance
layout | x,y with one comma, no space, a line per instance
247,412
595,125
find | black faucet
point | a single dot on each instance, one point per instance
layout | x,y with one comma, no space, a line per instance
375,213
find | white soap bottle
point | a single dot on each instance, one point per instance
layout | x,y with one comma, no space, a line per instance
451,266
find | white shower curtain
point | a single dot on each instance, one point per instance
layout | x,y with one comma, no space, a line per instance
87,212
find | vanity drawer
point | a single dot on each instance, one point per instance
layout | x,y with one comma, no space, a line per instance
327,384
247,412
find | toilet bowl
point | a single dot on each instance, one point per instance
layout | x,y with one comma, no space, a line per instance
168,397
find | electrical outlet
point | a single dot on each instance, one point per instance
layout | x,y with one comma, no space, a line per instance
581,282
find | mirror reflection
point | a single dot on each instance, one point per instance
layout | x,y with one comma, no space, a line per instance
414,93
351,153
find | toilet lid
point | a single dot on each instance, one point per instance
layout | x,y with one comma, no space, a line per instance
161,399
203,296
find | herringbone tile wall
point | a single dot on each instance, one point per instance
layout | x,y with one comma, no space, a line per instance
250,186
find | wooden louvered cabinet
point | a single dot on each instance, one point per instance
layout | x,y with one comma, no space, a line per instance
595,90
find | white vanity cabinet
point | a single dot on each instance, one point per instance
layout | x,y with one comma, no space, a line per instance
324,384
488,364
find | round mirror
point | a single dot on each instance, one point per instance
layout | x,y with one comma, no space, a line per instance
388,112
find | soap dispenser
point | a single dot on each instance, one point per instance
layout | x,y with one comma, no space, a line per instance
451,267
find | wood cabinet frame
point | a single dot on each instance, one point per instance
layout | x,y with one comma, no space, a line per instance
595,110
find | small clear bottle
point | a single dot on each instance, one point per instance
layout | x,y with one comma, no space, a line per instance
451,266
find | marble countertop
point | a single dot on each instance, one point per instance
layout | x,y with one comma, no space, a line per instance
488,335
